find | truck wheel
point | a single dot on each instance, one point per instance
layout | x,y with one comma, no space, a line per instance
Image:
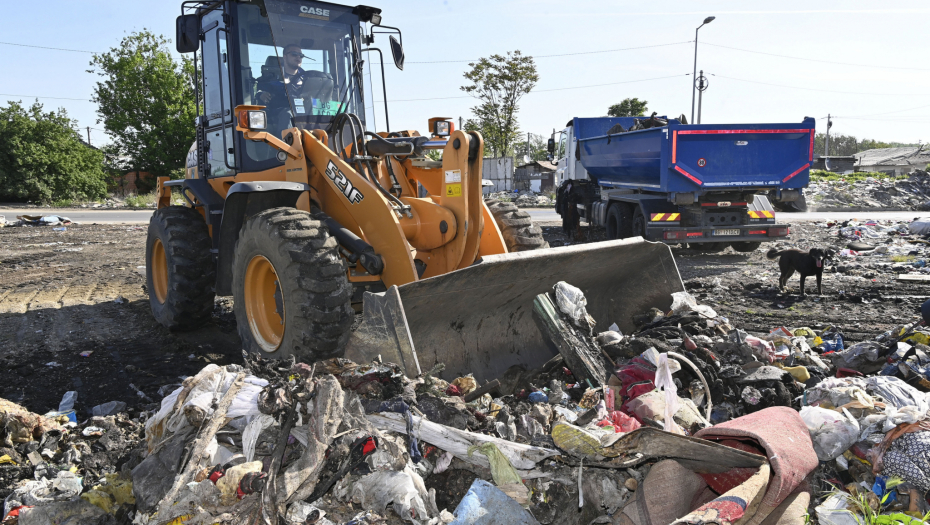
619,221
290,290
179,270
639,223
516,225
746,246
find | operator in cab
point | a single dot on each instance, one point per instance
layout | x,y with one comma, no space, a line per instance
301,92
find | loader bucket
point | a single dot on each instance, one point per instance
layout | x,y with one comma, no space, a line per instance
479,319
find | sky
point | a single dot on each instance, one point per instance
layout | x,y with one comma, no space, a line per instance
866,63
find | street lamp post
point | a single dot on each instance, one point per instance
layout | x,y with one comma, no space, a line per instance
694,74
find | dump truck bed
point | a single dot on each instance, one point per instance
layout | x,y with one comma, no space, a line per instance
696,158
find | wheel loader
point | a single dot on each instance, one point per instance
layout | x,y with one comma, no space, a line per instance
305,216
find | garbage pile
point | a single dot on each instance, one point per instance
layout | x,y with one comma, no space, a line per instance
687,420
911,193
524,199
36,220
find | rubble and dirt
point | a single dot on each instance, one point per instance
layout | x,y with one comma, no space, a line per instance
679,429
525,199
854,191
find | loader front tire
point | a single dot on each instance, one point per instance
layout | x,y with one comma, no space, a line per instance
516,226
179,271
291,293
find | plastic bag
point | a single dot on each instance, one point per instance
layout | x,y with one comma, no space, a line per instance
503,473
665,382
831,432
684,302
251,433
485,504
375,491
571,302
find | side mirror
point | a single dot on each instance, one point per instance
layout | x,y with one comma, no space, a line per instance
550,146
188,33
397,50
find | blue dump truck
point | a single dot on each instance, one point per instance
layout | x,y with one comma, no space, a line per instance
706,185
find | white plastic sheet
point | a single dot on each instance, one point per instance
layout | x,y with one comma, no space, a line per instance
665,382
684,302
571,301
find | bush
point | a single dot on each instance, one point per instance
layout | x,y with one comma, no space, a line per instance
42,158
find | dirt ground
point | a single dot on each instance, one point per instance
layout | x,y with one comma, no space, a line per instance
74,313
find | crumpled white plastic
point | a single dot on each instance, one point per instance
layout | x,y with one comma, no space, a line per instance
571,301
251,433
665,382
685,302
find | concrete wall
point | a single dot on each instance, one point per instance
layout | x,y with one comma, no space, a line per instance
498,170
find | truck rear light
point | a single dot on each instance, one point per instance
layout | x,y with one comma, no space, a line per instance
696,234
778,231
757,232
673,236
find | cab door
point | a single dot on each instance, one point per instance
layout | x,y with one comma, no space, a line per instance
216,127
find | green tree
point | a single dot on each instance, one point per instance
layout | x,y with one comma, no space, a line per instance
537,150
42,157
499,82
146,103
629,107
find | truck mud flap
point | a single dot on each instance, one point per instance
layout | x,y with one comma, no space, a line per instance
479,319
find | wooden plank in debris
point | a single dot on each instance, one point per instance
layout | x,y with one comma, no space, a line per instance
581,355
914,277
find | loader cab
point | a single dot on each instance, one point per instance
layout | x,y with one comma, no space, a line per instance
301,60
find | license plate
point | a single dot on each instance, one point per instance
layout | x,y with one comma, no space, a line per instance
726,232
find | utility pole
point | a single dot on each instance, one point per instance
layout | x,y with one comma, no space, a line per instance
694,74
461,124
826,143
702,84
528,157
88,135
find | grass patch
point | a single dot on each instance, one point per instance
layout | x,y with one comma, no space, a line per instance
62,203
827,176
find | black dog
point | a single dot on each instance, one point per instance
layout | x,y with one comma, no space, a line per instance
805,263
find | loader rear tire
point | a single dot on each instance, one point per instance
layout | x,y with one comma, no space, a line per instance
286,260
516,226
179,271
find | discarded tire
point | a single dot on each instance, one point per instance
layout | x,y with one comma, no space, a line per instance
516,226
179,271
291,293
619,221
746,246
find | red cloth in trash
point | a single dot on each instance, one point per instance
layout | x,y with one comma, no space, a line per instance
620,421
781,432
638,370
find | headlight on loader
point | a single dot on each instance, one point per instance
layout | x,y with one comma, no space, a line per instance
252,120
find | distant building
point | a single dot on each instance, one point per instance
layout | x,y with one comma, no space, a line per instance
538,176
893,161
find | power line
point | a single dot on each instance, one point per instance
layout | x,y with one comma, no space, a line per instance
561,54
823,90
544,90
814,59
44,47
37,96
885,112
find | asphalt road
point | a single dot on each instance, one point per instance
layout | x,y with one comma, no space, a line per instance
91,216
544,215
